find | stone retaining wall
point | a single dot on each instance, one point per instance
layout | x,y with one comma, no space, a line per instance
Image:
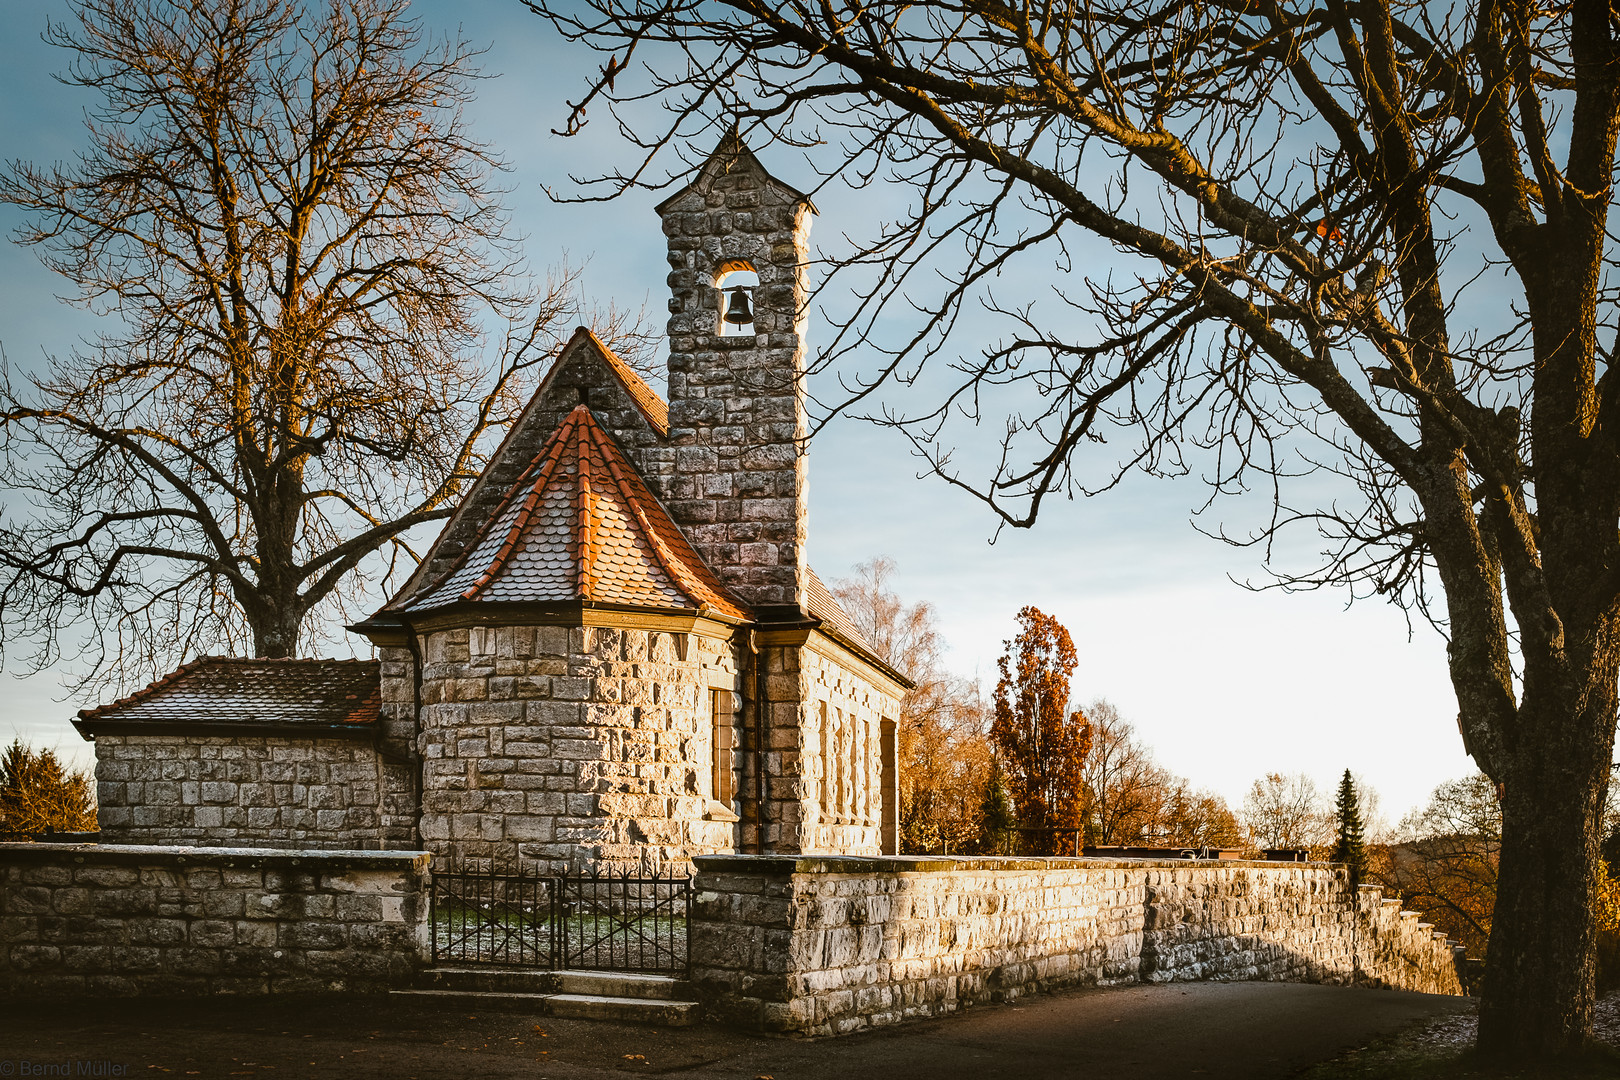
829,946
95,921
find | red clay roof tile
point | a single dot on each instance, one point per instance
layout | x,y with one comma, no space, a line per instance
580,524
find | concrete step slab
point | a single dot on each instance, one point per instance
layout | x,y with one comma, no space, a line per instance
621,985
476,999
623,1010
489,980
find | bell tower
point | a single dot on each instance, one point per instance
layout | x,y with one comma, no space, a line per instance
734,473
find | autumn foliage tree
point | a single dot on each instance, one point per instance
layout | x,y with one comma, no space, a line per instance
1041,744
37,792
943,745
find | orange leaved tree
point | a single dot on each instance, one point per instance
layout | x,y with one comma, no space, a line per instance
1041,744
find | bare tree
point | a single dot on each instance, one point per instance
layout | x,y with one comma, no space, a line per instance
1125,789
1368,240
294,242
1286,812
943,742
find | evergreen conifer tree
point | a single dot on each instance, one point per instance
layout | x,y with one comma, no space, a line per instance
1350,848
999,817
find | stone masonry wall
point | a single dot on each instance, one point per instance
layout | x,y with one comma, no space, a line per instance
247,790
736,481
575,746
840,805
118,921
829,946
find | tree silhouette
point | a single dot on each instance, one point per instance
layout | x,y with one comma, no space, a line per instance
295,244
1350,847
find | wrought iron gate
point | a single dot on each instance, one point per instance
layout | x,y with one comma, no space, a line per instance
485,912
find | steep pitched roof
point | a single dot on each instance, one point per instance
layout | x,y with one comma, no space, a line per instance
820,602
580,524
232,692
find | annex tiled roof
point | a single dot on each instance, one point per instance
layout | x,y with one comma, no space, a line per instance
227,691
581,524
820,602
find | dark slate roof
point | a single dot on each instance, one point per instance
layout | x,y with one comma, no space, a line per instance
236,693
580,524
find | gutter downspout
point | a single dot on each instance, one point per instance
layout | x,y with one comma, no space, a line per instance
762,727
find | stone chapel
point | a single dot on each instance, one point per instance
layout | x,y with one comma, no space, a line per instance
614,654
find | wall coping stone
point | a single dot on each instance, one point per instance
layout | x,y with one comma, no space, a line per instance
246,858
935,864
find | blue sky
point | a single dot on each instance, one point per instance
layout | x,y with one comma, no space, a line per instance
1225,684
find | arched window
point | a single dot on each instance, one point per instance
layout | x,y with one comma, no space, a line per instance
736,281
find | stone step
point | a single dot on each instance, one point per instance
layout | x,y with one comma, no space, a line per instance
623,1009
495,980
618,984
481,999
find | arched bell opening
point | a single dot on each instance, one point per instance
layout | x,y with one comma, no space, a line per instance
737,281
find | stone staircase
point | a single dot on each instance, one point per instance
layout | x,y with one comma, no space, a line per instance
579,995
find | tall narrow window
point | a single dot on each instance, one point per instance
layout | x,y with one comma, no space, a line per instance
845,763
827,751
725,748
889,808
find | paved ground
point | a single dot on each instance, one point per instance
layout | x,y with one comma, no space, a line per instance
1241,1031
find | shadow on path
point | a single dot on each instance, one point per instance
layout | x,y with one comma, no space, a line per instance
1252,1031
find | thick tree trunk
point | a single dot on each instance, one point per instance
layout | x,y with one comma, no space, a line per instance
276,631
1539,985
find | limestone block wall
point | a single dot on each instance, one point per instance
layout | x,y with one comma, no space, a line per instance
119,921
840,805
573,746
401,763
248,790
829,946
736,481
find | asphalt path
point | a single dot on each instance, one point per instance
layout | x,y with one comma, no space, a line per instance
1242,1031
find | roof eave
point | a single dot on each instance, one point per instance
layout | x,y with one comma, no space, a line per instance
89,729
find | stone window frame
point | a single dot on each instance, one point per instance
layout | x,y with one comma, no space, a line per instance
723,685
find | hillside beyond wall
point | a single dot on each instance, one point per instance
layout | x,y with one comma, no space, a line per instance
833,945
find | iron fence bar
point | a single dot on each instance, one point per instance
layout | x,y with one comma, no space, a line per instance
483,913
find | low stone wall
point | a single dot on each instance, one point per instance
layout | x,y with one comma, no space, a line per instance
115,921
829,946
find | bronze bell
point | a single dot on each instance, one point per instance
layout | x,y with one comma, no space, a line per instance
738,313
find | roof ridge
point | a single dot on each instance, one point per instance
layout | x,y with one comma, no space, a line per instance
583,529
